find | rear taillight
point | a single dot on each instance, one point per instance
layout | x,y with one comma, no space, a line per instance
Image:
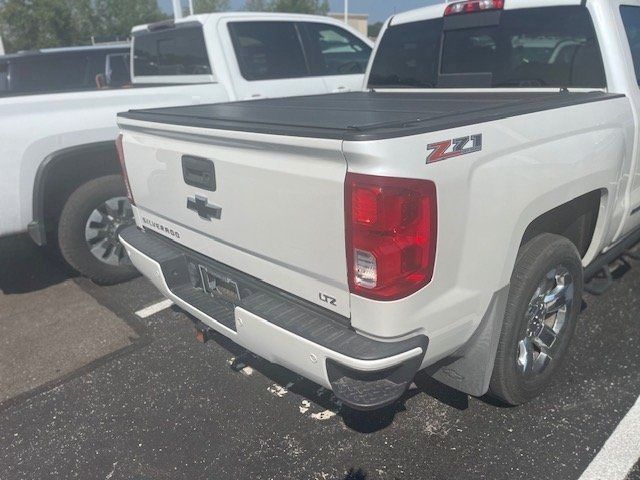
123,167
472,6
391,235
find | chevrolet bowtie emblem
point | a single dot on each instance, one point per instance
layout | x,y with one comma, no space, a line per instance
203,208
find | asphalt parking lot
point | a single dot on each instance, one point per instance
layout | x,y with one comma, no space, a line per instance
89,389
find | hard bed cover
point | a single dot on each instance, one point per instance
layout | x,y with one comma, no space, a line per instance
361,116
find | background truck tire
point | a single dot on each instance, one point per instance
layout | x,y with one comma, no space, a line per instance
528,354
75,238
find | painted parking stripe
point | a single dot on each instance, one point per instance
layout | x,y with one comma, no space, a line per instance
155,308
621,451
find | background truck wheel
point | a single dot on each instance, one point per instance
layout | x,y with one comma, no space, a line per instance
88,230
545,298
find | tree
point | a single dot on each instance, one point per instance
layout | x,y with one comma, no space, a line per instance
317,7
374,29
117,17
206,6
31,24
256,6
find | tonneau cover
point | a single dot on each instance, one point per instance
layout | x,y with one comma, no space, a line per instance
361,116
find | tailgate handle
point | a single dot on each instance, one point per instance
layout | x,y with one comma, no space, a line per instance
199,172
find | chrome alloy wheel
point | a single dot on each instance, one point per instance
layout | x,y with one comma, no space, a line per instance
547,317
104,226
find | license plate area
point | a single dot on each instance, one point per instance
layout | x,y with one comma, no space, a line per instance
216,284
217,290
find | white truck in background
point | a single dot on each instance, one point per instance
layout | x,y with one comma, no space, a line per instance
60,178
445,219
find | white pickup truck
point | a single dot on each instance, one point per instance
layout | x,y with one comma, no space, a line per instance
59,169
445,219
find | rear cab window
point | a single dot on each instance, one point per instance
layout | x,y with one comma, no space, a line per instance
179,52
549,47
631,20
53,72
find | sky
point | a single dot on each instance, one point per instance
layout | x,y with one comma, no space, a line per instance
378,10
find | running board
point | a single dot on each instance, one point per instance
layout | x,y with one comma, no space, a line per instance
598,285
601,265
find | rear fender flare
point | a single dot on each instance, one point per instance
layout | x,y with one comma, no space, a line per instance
37,227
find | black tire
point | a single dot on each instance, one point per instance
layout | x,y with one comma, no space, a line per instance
510,384
71,230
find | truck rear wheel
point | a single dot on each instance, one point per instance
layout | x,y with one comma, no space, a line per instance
545,298
88,230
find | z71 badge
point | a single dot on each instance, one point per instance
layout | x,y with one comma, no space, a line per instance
454,148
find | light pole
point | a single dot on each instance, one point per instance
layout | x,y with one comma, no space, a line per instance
190,7
177,9
346,11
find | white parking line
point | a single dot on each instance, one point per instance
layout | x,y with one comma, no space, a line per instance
621,451
155,308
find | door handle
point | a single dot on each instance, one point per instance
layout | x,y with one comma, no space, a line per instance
341,89
199,172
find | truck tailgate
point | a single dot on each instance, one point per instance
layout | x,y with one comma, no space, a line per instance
275,210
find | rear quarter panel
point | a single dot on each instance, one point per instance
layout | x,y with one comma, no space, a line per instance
529,165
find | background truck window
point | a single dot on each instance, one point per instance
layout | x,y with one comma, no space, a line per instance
4,77
56,72
178,51
631,20
536,47
268,50
117,70
334,51
52,73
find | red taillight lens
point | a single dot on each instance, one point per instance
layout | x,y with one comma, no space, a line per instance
472,6
123,167
391,235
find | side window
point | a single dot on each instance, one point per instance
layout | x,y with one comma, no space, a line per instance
268,50
179,51
334,50
4,77
117,69
52,73
631,20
